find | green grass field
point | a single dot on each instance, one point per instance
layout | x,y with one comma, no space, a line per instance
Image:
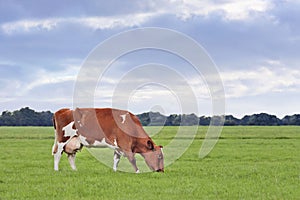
246,163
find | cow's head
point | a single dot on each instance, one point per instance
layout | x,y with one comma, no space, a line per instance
154,157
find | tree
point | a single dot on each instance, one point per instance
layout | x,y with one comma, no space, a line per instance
26,117
231,121
6,118
173,120
204,121
144,118
261,119
291,120
157,119
189,120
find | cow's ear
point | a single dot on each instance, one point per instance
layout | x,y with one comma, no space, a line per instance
150,145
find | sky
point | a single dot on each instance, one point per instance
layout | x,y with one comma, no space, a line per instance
254,45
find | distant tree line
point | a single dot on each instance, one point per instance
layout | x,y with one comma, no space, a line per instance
262,119
28,117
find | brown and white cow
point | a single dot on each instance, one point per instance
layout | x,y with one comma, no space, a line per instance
94,127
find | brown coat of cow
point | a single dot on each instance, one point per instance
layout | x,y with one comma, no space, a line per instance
94,127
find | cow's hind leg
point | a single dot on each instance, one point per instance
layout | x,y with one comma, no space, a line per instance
117,157
71,158
57,155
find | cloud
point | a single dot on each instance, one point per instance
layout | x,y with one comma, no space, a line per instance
229,10
130,20
43,90
143,87
44,77
93,22
29,25
273,77
48,78
184,10
20,83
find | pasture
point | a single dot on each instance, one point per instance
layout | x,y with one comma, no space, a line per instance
247,163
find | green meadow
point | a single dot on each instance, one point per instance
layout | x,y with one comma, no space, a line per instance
246,163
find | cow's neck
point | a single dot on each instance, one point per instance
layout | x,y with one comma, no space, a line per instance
141,145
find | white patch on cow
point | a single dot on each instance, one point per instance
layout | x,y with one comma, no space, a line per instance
99,144
69,131
83,141
79,123
103,143
123,118
115,142
60,146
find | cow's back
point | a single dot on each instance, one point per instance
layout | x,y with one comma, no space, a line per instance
114,121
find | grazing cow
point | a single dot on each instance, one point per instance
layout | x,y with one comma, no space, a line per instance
94,127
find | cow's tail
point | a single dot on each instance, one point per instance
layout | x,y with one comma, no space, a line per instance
55,146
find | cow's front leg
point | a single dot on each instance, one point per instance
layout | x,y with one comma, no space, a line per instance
71,158
117,157
132,160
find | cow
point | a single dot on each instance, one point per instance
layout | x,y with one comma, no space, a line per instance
117,129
